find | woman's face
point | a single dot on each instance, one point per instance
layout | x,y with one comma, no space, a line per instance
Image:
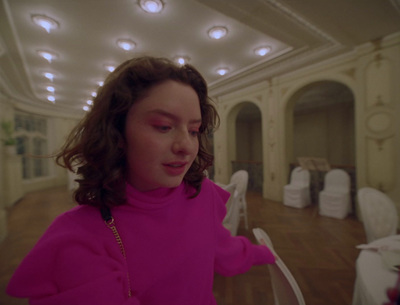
162,136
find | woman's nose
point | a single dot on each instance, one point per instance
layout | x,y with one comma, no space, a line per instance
184,143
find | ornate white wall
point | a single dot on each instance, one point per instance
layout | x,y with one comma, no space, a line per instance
371,73
12,186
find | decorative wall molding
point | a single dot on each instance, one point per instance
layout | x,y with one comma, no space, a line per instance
301,21
396,4
379,122
2,49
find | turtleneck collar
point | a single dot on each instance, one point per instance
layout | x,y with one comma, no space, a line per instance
154,199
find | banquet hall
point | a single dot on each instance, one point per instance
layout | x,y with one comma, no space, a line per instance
292,80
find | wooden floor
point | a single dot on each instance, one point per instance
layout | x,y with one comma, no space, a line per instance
320,251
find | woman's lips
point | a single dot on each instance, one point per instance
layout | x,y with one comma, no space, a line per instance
175,168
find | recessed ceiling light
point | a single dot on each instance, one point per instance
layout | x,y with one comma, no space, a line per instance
181,60
50,89
93,94
45,22
100,83
86,108
222,71
109,68
126,44
51,98
89,102
49,76
151,6
217,32
262,51
49,56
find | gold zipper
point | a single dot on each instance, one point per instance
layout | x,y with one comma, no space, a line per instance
111,225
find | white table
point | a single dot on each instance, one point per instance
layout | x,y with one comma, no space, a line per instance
372,276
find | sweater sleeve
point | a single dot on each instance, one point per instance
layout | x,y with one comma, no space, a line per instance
70,265
235,254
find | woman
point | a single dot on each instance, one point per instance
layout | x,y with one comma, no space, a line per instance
141,154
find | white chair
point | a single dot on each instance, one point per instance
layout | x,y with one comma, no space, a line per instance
297,193
232,217
334,199
285,288
231,188
378,212
241,179
72,184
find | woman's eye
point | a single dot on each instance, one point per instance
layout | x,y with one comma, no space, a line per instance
163,128
194,133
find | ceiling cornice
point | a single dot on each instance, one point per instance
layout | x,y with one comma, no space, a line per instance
289,62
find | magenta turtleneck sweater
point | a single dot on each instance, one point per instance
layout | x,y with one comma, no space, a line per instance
173,245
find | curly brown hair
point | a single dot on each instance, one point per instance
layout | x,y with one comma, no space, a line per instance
94,145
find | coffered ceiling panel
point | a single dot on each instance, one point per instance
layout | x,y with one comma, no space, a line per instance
85,41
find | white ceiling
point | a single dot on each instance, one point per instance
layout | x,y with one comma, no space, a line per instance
300,32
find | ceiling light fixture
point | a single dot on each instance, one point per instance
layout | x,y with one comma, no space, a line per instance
49,56
262,51
93,94
126,44
100,83
45,22
222,71
86,108
181,60
151,6
50,89
89,102
51,98
109,68
217,32
49,76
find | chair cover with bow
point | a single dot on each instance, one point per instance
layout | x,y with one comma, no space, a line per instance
297,192
334,199
241,179
232,217
378,212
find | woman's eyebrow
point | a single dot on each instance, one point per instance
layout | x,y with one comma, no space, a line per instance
173,116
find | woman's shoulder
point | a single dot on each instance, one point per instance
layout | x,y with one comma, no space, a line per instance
209,184
210,188
72,255
82,212
217,196
80,227
79,220
79,213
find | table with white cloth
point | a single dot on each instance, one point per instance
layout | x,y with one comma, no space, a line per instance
374,274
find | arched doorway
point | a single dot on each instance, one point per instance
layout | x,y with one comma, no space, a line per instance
322,119
245,122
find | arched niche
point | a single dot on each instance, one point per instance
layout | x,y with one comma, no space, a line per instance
320,123
321,117
245,142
